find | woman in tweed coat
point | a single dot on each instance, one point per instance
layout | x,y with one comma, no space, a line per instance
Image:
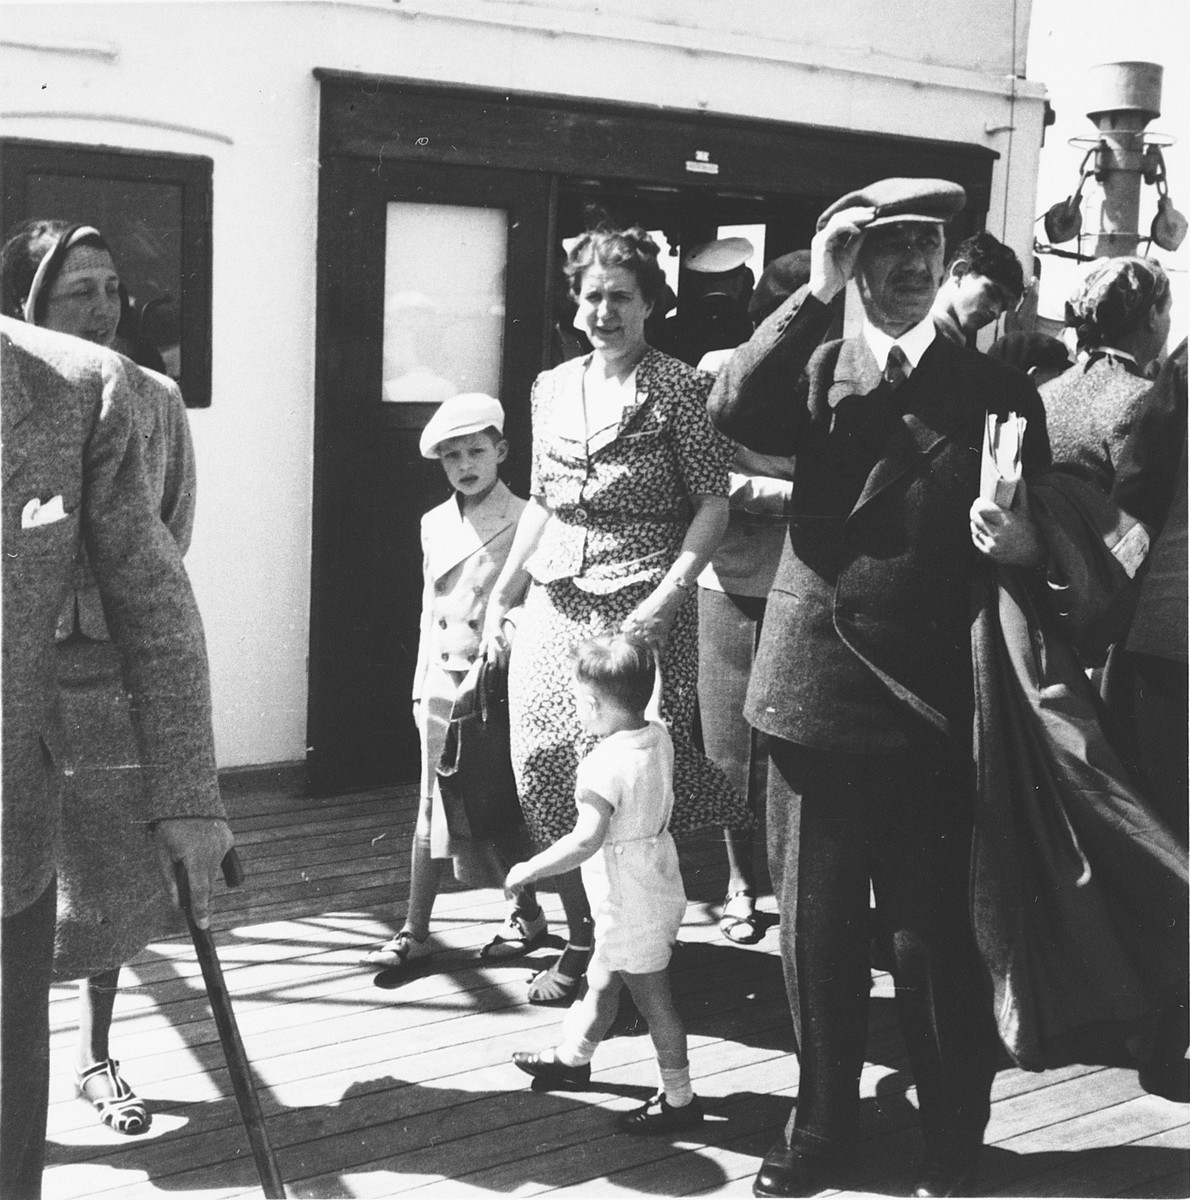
1121,316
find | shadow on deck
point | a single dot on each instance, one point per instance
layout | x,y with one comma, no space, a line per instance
375,1086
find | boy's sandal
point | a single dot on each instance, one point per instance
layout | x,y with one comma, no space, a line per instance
738,921
121,1109
518,935
555,986
397,951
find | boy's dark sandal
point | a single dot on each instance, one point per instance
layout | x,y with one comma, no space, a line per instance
518,935
656,1116
551,1073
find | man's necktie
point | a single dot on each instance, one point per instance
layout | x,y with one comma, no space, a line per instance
896,369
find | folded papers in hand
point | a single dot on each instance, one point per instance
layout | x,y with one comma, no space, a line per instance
1000,469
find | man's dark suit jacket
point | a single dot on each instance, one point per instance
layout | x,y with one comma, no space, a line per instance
881,553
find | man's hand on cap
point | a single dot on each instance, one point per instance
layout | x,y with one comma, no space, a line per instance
834,249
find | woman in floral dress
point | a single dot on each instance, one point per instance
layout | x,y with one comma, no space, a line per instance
629,500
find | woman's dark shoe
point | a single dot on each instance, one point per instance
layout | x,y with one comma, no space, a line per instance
789,1172
658,1116
551,1073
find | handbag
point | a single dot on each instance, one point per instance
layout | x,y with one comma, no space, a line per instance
479,793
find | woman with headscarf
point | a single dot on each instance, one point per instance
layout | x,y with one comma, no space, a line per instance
1121,316
111,897
629,499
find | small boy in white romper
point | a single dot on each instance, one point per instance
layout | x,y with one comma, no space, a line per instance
624,794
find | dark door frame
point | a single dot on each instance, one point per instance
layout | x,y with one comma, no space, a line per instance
370,483
414,120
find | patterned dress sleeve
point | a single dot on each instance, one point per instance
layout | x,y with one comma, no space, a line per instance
704,454
536,401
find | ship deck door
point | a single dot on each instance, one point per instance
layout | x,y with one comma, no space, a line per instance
432,283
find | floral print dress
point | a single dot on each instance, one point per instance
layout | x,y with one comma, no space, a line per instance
618,515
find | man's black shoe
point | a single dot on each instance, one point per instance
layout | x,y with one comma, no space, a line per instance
945,1179
1170,1080
787,1172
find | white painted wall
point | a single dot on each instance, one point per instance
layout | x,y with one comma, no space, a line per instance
234,81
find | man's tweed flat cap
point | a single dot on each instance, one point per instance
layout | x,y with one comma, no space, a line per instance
927,200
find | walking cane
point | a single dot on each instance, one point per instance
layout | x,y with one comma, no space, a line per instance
229,1034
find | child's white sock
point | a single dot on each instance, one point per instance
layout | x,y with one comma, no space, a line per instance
675,1083
575,1051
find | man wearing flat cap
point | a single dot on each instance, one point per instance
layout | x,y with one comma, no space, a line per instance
862,678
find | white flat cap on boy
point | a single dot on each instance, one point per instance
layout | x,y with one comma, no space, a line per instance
459,416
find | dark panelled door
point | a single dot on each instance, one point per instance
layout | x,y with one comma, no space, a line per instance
432,281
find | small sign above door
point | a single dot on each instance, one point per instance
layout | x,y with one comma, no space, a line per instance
701,164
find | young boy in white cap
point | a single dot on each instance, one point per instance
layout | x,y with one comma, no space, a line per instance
465,541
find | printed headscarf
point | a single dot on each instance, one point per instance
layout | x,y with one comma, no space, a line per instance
1113,299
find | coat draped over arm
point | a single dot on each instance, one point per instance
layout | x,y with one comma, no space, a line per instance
1078,889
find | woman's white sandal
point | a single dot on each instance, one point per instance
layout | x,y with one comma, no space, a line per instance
123,1110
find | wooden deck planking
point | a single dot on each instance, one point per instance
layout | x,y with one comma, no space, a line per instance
380,1091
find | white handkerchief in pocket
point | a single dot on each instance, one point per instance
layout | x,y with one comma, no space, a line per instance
35,513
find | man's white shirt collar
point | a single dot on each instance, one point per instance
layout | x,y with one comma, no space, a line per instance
1112,352
913,342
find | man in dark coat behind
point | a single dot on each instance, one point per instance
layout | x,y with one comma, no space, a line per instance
863,674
